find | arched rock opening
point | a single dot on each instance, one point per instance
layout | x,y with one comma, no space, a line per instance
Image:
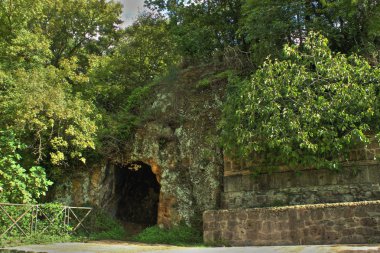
138,193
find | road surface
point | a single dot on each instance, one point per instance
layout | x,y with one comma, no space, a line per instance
123,247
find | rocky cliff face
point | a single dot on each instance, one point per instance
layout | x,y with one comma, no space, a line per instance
179,143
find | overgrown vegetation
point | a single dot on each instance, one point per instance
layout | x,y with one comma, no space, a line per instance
18,184
102,227
180,235
307,109
48,226
74,84
32,227
38,239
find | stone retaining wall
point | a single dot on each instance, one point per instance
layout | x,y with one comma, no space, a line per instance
358,182
355,222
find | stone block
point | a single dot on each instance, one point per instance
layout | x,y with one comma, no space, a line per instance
227,235
365,230
360,212
267,227
223,225
370,154
238,201
210,226
361,155
233,184
227,166
217,236
368,222
352,239
252,235
232,223
316,215
285,235
247,183
235,166
209,216
242,215
353,156
254,225
254,214
208,236
373,145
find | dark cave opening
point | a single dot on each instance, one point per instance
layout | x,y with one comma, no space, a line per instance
138,193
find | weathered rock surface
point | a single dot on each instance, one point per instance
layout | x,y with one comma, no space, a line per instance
179,141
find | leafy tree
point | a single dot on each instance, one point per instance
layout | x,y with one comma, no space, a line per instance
350,26
308,109
18,184
120,81
56,124
80,27
74,28
40,100
201,28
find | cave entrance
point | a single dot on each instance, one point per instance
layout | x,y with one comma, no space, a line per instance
138,194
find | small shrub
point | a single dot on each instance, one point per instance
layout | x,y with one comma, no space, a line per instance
103,226
307,110
212,79
37,239
48,220
178,235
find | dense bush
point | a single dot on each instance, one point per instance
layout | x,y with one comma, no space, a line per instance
178,235
308,109
18,184
103,226
47,220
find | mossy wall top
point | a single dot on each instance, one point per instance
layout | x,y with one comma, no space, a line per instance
358,180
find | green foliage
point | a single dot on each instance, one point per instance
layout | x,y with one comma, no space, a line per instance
306,110
48,221
44,50
39,104
72,81
350,26
146,53
18,184
201,28
213,78
79,28
72,28
122,81
102,226
181,235
37,239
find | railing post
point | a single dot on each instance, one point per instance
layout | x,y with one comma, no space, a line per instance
36,219
38,213
32,221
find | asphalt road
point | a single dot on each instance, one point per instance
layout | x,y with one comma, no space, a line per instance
122,247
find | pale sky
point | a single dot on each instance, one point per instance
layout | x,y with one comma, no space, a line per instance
131,9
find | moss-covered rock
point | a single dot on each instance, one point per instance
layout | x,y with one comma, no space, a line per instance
179,140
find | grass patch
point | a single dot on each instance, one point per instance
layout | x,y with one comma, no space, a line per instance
103,226
210,79
181,235
38,239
